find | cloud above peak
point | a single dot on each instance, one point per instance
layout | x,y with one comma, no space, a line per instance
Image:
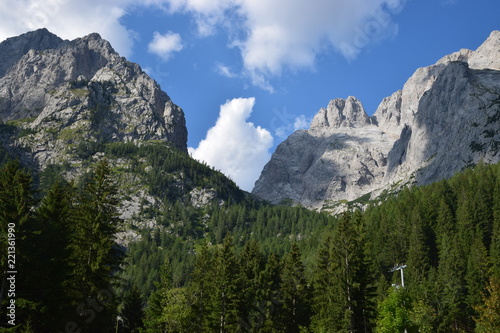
69,19
273,36
165,45
235,146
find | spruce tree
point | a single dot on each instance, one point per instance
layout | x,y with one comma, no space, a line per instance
226,296
352,276
54,218
252,307
325,318
272,297
132,312
201,288
95,256
296,293
17,241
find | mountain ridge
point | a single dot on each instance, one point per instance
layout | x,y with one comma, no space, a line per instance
82,86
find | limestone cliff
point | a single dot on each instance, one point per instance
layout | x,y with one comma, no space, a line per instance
65,94
446,117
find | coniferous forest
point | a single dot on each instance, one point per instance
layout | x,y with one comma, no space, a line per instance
247,266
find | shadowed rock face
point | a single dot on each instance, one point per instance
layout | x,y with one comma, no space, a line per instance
446,117
68,92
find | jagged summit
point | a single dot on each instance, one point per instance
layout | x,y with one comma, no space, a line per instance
446,117
83,91
341,113
12,49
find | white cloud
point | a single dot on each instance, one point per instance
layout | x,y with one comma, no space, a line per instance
289,34
301,122
165,45
290,124
271,36
224,70
235,146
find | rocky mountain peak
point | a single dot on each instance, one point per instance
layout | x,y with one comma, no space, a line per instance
341,113
82,91
488,54
12,49
445,118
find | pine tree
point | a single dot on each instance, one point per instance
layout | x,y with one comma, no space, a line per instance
352,276
488,319
17,235
226,296
132,312
296,293
95,256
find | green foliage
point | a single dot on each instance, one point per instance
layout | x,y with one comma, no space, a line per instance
132,312
239,264
488,319
394,312
344,280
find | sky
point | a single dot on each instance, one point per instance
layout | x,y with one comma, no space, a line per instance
247,73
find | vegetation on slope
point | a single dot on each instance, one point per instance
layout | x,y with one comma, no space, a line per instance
239,264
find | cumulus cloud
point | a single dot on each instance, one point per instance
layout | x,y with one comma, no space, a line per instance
289,123
224,70
289,34
271,36
165,45
235,146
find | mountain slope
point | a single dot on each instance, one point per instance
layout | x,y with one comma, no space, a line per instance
81,89
445,118
64,105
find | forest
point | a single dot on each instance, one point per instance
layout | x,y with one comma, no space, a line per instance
247,266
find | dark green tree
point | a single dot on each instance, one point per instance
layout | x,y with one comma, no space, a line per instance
351,284
253,286
201,288
296,293
17,240
132,312
54,218
226,296
95,256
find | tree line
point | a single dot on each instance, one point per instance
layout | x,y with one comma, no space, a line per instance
65,252
246,266
447,234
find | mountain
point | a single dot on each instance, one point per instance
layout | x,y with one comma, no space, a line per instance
64,105
446,117
81,89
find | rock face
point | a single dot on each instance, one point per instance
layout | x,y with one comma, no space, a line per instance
446,117
69,93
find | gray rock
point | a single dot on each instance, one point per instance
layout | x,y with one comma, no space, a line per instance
66,93
444,119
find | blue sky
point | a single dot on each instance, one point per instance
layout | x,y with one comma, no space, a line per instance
247,73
